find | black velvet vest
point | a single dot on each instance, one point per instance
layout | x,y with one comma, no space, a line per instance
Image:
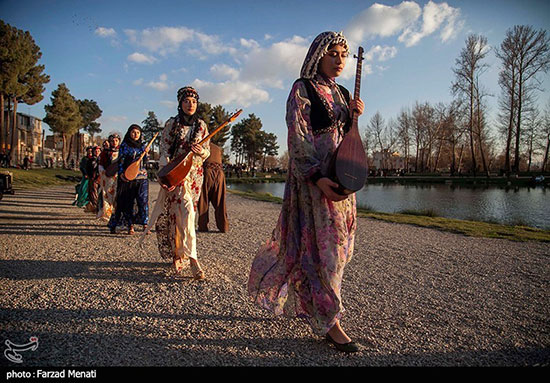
319,116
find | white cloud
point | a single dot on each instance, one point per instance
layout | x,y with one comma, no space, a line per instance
139,81
433,17
272,65
168,40
230,92
407,19
162,40
224,71
375,53
141,58
105,32
250,43
382,20
160,85
380,53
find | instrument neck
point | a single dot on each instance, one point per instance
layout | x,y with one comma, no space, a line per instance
357,90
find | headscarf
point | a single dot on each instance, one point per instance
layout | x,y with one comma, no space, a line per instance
319,47
185,119
111,138
129,140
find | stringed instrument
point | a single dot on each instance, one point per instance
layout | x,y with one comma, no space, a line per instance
132,170
348,166
176,170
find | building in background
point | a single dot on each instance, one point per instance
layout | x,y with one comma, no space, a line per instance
27,142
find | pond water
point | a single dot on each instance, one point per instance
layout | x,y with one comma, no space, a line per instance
520,205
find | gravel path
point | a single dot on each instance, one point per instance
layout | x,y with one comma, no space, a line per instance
414,296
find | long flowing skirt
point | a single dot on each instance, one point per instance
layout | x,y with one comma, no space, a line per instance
175,226
132,204
82,193
107,196
299,271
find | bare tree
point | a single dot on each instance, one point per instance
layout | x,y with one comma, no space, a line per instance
524,53
422,120
469,66
545,136
532,129
404,134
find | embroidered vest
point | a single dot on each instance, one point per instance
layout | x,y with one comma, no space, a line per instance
319,116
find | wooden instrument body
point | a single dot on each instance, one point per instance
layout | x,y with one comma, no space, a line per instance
348,166
176,170
132,170
174,173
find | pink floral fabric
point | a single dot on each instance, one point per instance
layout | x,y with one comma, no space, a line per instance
299,271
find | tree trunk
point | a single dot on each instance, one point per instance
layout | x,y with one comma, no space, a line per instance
460,158
545,161
64,139
471,128
3,130
518,124
453,157
14,132
71,139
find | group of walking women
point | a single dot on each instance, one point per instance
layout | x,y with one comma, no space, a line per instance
299,271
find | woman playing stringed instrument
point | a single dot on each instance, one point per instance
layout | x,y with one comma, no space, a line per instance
299,271
175,226
135,191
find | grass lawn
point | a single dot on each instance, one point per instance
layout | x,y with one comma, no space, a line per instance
38,178
469,228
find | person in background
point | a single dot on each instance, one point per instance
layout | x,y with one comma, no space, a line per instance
130,192
213,191
81,190
108,181
92,171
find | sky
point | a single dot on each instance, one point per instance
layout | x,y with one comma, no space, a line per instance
131,57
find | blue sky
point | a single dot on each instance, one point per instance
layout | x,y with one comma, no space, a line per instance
132,56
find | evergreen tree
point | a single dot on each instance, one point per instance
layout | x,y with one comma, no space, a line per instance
219,116
63,115
90,112
21,79
150,126
268,145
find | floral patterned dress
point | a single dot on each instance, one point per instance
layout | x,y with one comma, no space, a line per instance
175,226
107,185
298,272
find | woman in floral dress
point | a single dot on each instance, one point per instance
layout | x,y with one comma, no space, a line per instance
108,183
175,226
298,272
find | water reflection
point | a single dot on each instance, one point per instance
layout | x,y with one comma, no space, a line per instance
509,205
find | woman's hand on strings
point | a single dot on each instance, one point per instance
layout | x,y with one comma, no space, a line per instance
197,149
357,106
326,185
